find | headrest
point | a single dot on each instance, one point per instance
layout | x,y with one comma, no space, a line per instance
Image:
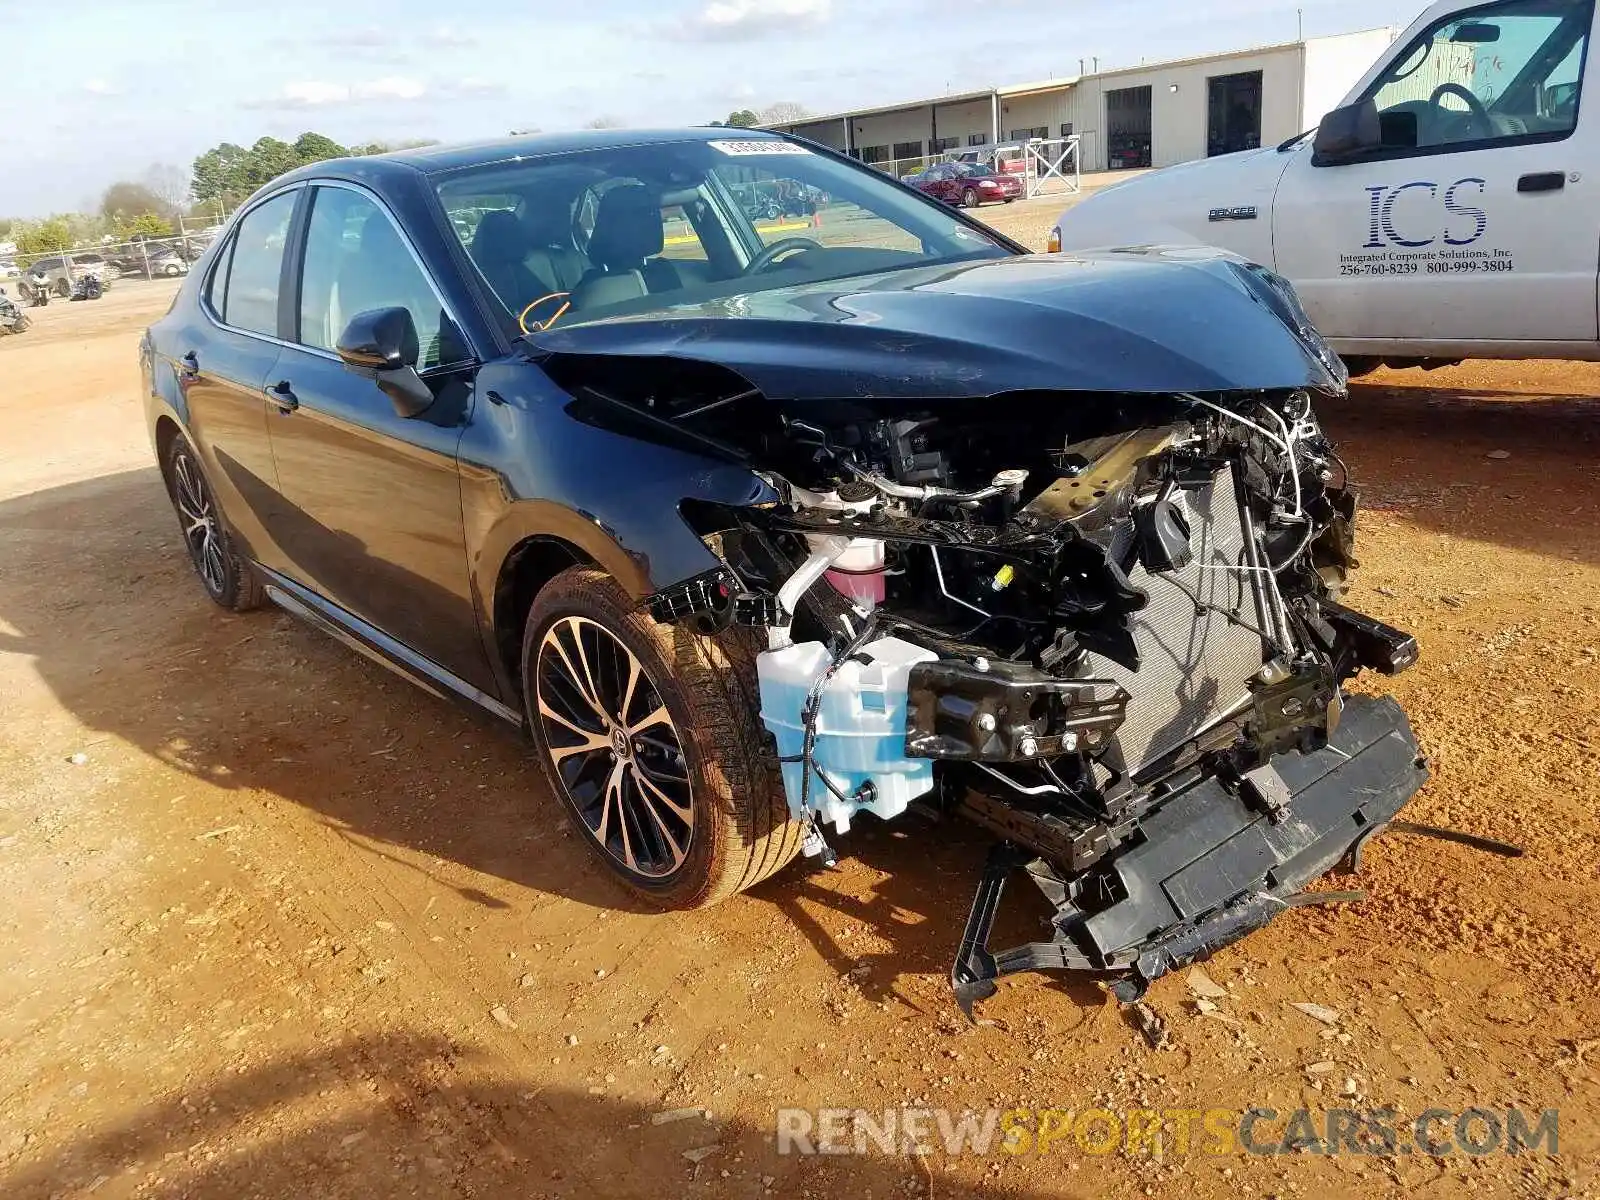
499,236
627,228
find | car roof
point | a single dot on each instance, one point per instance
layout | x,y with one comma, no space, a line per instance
433,160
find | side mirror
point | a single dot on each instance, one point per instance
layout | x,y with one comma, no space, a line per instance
383,342
1347,133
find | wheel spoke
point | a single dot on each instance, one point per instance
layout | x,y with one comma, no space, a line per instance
627,690
587,679
650,789
599,740
612,792
658,716
580,681
212,554
676,851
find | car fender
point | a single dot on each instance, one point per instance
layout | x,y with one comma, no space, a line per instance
164,396
622,496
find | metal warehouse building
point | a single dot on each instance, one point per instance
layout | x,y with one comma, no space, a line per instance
1152,115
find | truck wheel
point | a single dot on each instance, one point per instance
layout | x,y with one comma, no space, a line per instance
228,579
63,288
650,736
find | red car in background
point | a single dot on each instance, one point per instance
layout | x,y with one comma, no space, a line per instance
966,184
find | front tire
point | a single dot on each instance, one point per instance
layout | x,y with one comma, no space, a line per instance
651,738
969,199
228,579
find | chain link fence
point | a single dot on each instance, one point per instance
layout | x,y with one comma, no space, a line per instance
139,259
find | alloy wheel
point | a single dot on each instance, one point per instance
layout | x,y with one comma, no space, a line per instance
198,515
615,747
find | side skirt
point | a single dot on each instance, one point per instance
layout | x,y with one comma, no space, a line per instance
373,643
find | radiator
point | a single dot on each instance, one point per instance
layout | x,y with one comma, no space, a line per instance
1193,668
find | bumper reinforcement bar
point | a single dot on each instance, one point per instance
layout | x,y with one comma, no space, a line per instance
1206,867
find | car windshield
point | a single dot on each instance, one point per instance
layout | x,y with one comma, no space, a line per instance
577,237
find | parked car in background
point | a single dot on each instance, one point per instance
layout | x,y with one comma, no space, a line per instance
1006,160
151,261
59,279
9,269
756,532
966,184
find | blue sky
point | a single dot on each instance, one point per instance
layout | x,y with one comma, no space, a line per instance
102,89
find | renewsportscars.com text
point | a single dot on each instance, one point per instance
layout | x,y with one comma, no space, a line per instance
1438,1132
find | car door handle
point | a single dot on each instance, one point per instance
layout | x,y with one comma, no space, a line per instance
283,396
191,365
1543,181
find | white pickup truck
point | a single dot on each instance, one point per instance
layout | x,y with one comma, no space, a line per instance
1450,208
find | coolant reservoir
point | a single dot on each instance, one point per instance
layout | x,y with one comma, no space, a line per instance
860,728
858,572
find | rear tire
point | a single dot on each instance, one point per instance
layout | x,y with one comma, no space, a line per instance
228,579
669,779
1361,364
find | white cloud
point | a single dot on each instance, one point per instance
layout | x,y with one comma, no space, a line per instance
746,20
98,87
391,89
394,87
450,36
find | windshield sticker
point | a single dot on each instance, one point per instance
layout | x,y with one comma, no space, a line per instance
1427,228
754,147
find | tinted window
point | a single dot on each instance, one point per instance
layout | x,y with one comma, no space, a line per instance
1504,72
356,261
255,265
687,222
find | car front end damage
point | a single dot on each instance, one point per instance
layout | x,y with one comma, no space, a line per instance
1102,622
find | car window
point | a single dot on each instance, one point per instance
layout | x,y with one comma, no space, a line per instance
679,238
658,224
255,265
1502,73
356,260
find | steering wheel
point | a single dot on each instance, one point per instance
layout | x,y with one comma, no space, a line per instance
1475,108
777,250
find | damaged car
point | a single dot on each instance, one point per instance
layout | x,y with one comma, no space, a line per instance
760,533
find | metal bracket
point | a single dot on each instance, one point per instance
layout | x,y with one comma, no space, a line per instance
973,975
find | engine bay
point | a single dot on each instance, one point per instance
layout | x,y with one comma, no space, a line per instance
1056,618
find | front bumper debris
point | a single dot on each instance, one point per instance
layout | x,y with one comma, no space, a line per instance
1207,866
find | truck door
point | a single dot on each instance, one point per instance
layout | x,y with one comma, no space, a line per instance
1478,218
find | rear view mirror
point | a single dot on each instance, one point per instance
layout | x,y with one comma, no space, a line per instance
1347,133
383,341
1476,33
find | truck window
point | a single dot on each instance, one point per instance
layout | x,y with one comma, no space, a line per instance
1500,74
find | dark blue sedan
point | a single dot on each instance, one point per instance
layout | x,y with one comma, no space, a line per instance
758,523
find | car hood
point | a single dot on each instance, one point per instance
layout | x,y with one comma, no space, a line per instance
1144,320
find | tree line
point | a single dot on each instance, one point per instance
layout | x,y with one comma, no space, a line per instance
165,198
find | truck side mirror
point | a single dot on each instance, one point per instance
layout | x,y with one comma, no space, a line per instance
1347,134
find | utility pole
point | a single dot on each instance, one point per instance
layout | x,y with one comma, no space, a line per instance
1300,24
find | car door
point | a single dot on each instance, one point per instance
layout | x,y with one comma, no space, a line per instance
1478,219
225,363
371,514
